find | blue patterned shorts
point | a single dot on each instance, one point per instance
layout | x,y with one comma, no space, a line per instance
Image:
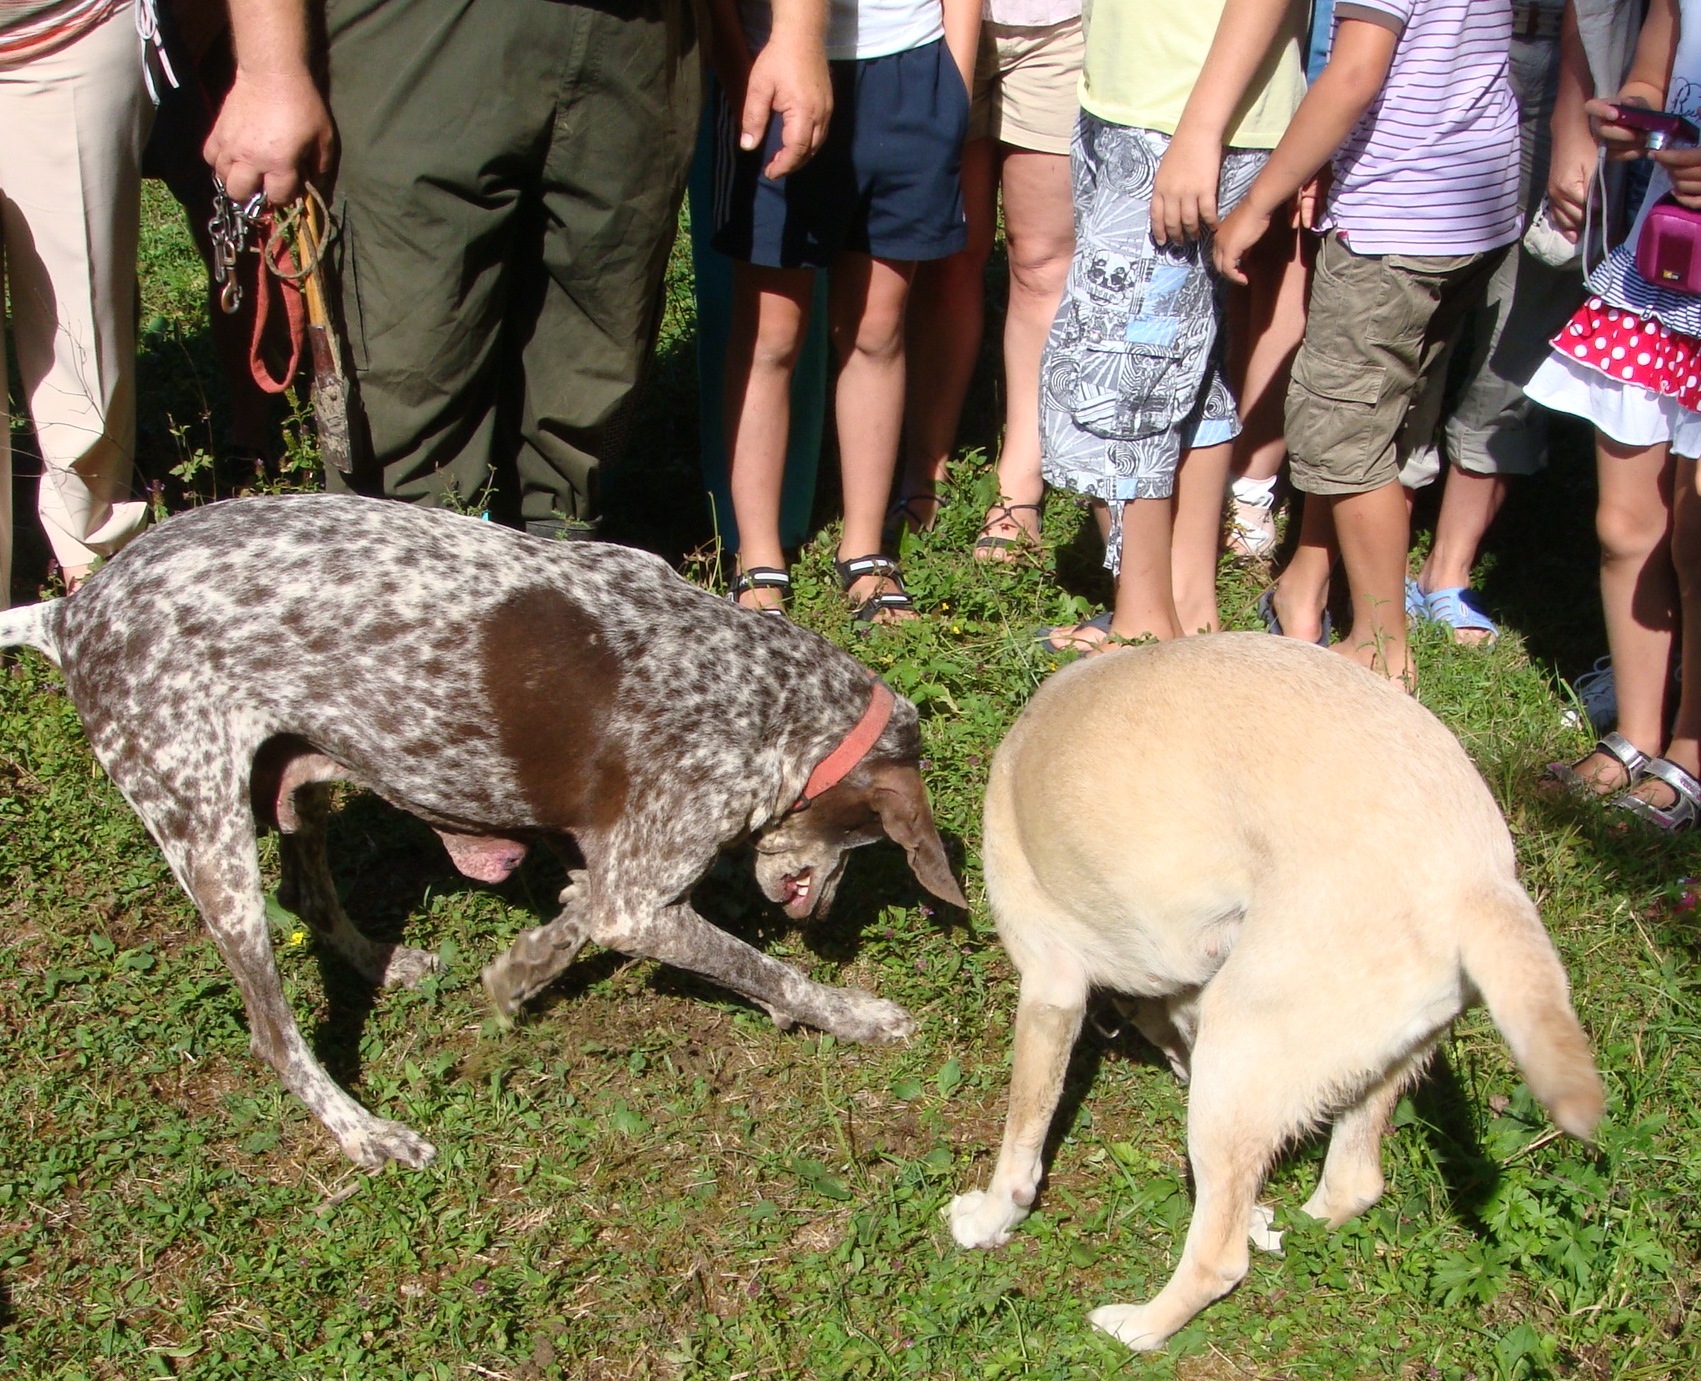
1132,373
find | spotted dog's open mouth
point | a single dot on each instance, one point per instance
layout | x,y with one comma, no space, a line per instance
798,897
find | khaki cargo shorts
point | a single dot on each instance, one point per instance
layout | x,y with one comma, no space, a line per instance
1368,380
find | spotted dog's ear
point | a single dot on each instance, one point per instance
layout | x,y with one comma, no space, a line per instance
901,801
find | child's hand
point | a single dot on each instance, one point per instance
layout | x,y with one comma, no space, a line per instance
1620,141
1570,170
1683,166
1184,192
1240,230
1309,201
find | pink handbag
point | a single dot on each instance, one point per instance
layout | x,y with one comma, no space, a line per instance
1668,249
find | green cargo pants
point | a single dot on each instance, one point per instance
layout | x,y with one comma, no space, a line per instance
508,188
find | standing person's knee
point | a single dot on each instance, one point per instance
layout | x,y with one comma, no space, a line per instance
1629,531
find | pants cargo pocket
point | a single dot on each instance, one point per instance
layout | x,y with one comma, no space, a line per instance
1334,432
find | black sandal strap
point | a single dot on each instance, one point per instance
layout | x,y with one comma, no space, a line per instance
895,599
760,578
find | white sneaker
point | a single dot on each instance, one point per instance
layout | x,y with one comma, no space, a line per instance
1252,523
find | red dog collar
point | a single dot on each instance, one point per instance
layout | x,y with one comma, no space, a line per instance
836,766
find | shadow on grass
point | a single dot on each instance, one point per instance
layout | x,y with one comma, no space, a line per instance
390,865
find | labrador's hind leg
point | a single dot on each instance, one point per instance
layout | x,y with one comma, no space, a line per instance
305,887
1048,1019
1352,1177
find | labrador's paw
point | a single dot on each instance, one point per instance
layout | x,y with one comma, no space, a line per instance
978,1219
1129,1323
1262,1234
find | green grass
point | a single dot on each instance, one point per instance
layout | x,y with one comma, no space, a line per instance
645,1179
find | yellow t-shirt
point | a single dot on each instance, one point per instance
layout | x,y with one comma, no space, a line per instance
1143,57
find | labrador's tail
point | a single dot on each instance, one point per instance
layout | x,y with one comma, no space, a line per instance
1511,960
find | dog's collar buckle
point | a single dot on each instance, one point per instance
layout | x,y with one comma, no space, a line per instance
836,766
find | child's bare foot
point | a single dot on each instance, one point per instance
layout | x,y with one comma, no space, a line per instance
1005,532
1668,796
874,586
761,587
1393,662
1077,637
1614,765
915,512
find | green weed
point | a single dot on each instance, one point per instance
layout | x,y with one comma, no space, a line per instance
645,1179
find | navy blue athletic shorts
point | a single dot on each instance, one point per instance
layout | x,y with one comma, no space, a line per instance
887,182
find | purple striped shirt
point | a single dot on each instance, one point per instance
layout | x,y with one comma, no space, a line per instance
1432,166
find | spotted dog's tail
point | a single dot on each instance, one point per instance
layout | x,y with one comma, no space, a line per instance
31,625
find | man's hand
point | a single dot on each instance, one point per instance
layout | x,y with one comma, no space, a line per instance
788,79
1242,228
1184,192
272,134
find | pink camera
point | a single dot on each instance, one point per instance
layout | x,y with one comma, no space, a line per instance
1663,129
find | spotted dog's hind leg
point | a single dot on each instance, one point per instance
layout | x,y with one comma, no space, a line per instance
541,954
210,845
306,888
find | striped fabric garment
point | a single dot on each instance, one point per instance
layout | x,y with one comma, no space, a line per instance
1432,167
30,28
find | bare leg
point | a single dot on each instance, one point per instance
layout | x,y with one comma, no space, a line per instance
1374,530
307,889
1684,746
943,340
770,313
1273,312
867,307
1638,595
1045,1034
1302,589
1039,229
1195,542
1469,504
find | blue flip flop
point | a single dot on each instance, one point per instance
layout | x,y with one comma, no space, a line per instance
1455,608
1417,602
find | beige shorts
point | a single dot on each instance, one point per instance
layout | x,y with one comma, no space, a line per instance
1027,84
1367,382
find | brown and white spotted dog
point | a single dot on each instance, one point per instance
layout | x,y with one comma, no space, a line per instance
504,689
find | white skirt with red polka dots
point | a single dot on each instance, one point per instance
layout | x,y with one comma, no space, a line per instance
1636,380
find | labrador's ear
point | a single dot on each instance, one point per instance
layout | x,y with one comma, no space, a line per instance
901,801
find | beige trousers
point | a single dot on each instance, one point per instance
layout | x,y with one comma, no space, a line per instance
74,122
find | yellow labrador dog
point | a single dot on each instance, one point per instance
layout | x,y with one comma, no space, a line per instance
1298,870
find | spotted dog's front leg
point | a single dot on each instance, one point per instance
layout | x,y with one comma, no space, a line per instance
677,935
541,954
